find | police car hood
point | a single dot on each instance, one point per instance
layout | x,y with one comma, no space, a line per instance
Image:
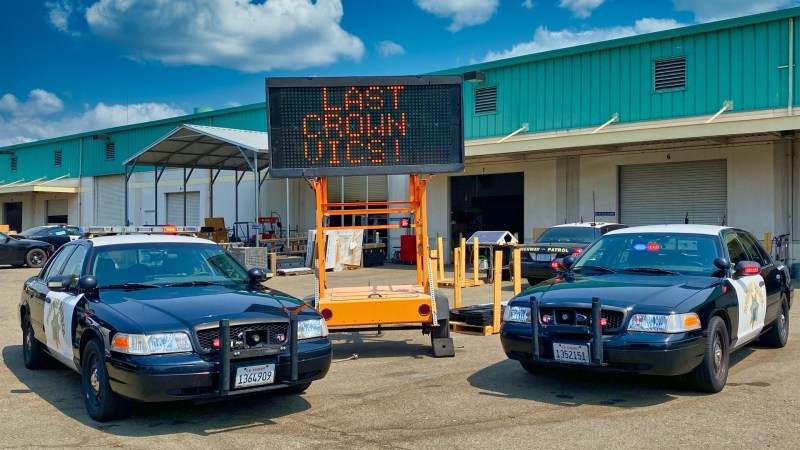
171,308
626,291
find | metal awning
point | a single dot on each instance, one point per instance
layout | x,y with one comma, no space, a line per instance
203,147
38,185
191,147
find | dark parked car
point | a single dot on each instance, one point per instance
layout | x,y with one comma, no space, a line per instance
57,235
158,318
659,300
23,252
538,259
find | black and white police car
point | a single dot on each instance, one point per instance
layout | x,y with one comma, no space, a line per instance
159,318
661,300
540,259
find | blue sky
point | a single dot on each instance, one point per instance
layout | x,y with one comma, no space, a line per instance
70,66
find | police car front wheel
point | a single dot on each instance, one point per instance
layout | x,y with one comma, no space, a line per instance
102,403
712,374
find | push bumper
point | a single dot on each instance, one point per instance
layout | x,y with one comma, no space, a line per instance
193,377
642,353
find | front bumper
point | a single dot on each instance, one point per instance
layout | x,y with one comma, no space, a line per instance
190,376
642,353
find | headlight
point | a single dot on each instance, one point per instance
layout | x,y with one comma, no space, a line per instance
662,323
313,328
517,314
151,344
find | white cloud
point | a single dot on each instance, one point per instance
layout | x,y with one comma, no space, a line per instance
389,48
545,39
581,8
40,102
232,104
529,4
251,37
463,13
707,10
30,120
59,13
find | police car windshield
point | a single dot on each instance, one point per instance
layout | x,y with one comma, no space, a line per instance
33,231
652,254
165,264
577,235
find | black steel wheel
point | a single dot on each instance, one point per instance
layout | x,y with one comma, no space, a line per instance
32,354
778,334
712,374
35,258
102,403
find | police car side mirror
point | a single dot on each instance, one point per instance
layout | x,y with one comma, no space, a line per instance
59,283
568,261
745,268
722,263
257,275
87,283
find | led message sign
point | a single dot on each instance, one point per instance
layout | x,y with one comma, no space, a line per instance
365,125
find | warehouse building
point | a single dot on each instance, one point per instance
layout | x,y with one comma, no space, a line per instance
693,124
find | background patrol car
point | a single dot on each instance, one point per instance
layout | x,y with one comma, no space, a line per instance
538,259
159,318
662,300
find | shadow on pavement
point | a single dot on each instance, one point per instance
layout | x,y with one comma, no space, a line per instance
367,344
507,379
60,387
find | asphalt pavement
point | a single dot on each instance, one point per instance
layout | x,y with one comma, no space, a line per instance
389,392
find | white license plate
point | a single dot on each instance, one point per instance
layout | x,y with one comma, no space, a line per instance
571,353
254,376
543,257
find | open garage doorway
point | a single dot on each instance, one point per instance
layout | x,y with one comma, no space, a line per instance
486,202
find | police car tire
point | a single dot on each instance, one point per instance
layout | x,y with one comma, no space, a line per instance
102,403
778,334
297,388
32,354
711,376
532,367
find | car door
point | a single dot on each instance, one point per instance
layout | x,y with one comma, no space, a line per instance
37,290
59,310
772,274
5,250
751,293
57,236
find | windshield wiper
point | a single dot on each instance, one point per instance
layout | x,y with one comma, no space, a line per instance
194,283
651,270
597,268
129,286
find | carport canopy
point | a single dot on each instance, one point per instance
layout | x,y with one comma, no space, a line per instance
204,147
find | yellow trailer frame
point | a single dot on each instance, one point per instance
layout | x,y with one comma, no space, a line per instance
368,307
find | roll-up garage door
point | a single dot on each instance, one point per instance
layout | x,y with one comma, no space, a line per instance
175,208
109,199
651,194
355,188
57,211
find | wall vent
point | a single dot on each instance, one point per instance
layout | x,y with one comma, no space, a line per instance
109,151
57,158
13,163
486,100
670,73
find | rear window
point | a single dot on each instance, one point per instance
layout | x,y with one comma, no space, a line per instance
577,235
